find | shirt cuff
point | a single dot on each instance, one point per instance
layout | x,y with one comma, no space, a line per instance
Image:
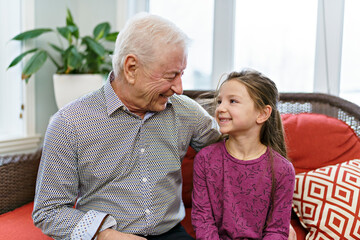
90,223
110,222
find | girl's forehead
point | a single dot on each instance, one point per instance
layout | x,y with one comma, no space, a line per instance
232,85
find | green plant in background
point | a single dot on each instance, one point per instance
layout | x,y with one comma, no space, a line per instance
81,55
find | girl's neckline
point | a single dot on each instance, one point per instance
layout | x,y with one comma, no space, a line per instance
262,150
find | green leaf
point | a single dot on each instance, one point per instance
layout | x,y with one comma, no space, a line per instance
65,32
58,49
31,34
34,64
112,36
94,46
69,18
74,30
20,57
101,30
73,58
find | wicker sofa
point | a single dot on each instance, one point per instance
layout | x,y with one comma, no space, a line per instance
321,130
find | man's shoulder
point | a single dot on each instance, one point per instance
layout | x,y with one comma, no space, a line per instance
183,100
88,104
187,105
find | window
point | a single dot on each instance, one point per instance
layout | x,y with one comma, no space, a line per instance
350,75
277,38
17,118
11,124
195,18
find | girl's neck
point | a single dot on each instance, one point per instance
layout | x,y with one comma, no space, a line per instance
245,150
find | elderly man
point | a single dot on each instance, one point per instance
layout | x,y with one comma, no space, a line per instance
117,152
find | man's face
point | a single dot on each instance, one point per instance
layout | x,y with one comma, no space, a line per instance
155,83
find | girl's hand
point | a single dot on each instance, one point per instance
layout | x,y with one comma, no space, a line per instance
111,234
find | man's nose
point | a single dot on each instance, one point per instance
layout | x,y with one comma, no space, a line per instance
177,85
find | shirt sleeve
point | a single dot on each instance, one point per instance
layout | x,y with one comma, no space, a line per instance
57,187
279,224
206,129
201,213
92,223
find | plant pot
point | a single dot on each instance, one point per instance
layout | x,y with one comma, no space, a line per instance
68,87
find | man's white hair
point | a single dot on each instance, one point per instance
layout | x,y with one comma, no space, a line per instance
142,35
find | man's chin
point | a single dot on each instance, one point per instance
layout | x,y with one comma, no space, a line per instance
159,107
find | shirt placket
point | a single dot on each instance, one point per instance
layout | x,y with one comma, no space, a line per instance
145,182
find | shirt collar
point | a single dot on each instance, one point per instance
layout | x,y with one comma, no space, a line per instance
112,101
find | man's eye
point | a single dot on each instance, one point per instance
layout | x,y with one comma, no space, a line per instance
170,77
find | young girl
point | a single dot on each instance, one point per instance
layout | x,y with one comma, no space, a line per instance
243,185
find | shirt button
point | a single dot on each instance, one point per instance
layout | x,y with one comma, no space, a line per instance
144,179
142,150
147,211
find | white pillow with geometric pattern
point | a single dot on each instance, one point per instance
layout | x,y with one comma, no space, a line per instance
327,201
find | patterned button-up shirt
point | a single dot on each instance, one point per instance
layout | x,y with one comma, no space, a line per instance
111,162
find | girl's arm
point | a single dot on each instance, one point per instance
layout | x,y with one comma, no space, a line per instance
201,214
279,224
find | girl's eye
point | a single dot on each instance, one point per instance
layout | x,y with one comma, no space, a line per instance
218,102
233,101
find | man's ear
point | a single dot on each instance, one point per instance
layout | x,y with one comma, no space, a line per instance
130,66
264,114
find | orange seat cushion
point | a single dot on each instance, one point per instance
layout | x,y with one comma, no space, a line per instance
18,224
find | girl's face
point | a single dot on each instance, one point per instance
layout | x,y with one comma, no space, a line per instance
235,111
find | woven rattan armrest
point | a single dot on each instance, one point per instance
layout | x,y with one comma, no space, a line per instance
18,179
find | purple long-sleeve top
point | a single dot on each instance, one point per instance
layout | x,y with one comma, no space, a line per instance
231,197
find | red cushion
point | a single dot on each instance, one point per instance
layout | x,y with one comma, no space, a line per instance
186,223
187,176
18,224
299,229
316,140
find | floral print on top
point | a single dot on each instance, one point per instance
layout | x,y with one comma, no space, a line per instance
231,197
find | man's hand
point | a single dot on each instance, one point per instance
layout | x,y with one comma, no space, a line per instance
292,233
111,234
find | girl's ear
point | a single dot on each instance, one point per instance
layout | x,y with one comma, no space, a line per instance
130,66
264,114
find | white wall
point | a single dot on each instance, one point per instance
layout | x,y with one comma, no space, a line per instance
51,14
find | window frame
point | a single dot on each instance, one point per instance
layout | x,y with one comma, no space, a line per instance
30,140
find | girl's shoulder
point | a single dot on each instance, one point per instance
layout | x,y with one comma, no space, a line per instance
211,151
214,147
282,164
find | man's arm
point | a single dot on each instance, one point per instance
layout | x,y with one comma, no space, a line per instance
57,187
206,129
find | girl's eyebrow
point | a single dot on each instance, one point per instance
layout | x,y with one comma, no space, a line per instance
234,96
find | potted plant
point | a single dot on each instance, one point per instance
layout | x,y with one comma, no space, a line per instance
86,55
